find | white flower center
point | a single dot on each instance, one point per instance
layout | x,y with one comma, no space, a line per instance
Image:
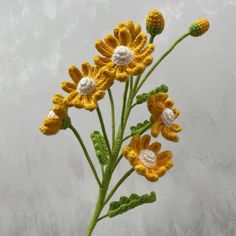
148,158
168,117
52,114
86,86
122,56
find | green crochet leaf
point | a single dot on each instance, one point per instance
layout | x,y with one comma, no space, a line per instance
100,147
140,127
143,97
128,203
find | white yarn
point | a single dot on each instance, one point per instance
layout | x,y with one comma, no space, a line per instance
122,56
168,117
52,114
86,86
148,158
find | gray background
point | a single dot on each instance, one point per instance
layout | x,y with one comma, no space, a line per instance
46,187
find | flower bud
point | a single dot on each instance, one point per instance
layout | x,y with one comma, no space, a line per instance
199,27
154,22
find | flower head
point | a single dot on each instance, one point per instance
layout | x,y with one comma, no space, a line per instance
163,115
88,86
56,117
155,22
125,52
147,159
199,27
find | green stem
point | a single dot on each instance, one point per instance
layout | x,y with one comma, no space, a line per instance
111,162
124,177
103,129
152,38
161,59
112,116
86,154
118,161
102,217
124,101
100,203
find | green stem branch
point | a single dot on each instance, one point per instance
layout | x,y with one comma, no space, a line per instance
112,116
103,129
161,59
124,177
86,154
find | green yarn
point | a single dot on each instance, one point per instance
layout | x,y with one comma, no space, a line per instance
66,123
143,97
100,147
128,203
195,30
154,30
140,127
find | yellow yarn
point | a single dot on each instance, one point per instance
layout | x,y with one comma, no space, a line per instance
102,80
155,22
58,113
124,53
199,27
157,105
162,160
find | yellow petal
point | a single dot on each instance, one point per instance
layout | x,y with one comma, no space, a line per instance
141,169
139,42
155,147
175,128
169,103
146,52
111,41
101,61
135,142
125,37
156,129
68,86
137,30
58,99
86,68
75,74
130,26
161,171
121,74
69,98
89,104
48,131
104,49
144,141
161,97
163,158
99,94
169,135
151,176
176,112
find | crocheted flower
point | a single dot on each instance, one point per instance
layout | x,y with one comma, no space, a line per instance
56,117
88,86
163,115
147,159
125,52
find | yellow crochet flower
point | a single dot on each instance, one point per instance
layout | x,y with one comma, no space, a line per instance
57,115
125,52
146,159
163,114
88,86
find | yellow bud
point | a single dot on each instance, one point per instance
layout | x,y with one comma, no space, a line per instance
199,27
155,22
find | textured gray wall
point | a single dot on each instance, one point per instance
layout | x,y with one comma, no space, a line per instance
46,187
